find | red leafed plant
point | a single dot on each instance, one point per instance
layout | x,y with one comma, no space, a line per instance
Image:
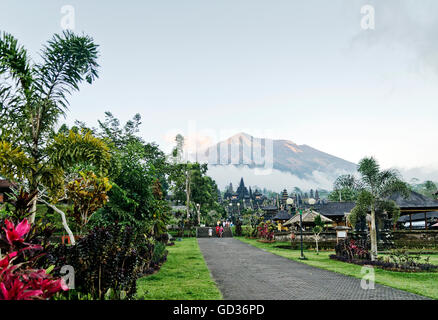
18,281
358,250
265,231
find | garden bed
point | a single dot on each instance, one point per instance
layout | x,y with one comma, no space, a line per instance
390,266
296,247
265,241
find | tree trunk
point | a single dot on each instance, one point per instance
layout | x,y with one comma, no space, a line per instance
64,221
373,234
34,209
316,241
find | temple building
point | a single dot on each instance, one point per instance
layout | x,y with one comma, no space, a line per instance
244,196
417,211
284,196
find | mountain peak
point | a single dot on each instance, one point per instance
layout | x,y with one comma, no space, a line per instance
241,134
283,156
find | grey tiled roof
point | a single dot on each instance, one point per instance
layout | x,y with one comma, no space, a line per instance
415,200
418,216
335,208
282,215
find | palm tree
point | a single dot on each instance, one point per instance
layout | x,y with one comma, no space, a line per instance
376,186
33,96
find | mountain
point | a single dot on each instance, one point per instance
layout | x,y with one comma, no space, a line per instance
269,163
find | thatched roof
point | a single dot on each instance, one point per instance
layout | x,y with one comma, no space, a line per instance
308,216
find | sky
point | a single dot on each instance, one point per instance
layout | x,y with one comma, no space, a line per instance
305,71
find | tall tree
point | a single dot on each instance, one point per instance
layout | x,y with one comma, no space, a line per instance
138,175
317,229
375,186
34,96
346,188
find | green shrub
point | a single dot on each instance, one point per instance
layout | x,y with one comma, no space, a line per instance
110,257
249,231
160,253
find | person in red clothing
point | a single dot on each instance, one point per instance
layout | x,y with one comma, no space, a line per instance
217,230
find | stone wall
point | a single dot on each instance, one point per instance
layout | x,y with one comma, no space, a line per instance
400,238
327,239
415,238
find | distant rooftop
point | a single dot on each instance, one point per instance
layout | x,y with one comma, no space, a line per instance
335,208
282,215
415,200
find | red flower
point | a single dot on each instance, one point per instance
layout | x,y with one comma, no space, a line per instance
5,261
16,290
16,233
19,281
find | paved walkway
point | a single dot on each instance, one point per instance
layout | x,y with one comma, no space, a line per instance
245,272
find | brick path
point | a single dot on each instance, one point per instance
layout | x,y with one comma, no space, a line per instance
245,272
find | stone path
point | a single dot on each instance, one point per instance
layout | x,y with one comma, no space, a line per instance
245,272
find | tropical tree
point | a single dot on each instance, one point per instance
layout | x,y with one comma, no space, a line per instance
191,184
252,219
87,193
317,229
344,194
138,176
375,187
33,96
61,153
161,211
345,188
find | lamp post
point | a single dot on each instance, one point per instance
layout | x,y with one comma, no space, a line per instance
311,201
230,211
301,233
290,202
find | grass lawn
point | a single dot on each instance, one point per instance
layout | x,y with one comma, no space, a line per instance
423,283
184,276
